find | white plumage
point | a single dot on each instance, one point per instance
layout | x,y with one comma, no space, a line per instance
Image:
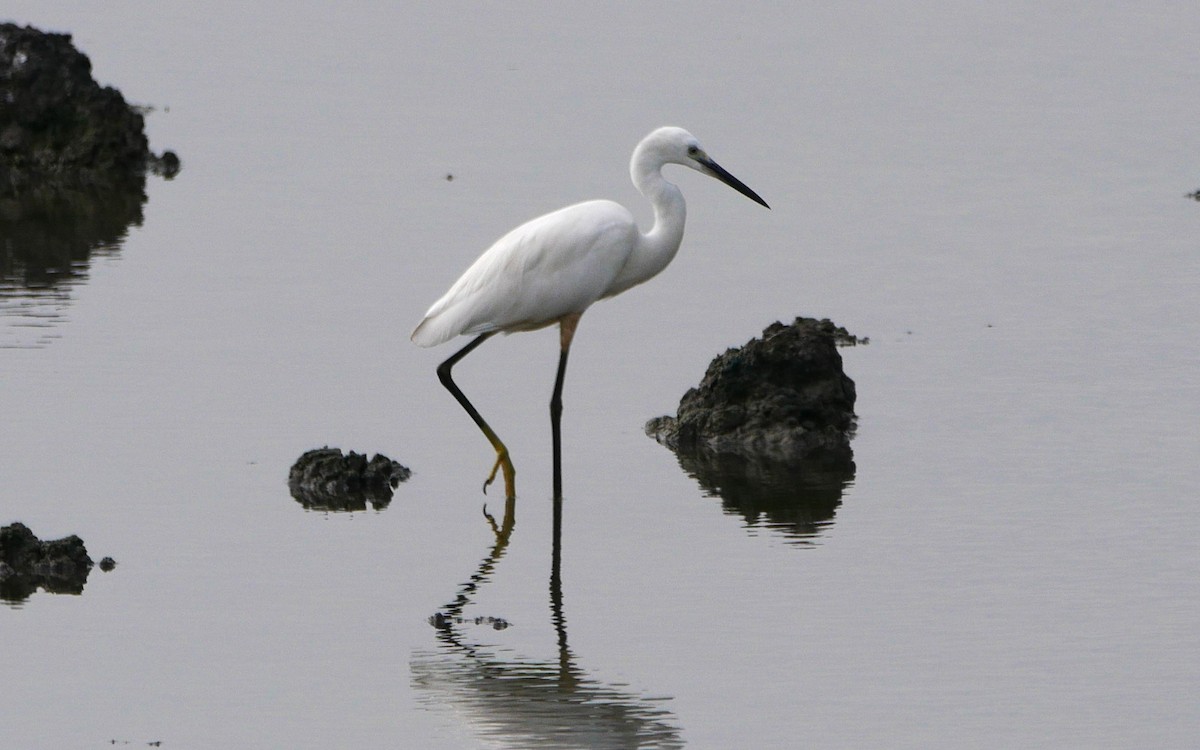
547,267
562,262
552,268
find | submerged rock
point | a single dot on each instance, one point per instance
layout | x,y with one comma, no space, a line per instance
60,566
59,129
325,479
783,396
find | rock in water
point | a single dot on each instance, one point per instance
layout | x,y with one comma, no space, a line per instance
59,566
768,430
325,479
782,397
73,160
59,129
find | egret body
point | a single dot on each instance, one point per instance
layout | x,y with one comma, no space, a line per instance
551,269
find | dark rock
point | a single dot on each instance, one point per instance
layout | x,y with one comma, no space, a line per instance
768,430
165,166
73,160
59,566
59,129
107,564
783,396
325,479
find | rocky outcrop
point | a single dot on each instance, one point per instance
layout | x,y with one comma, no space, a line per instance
73,160
768,429
325,479
59,566
59,129
783,396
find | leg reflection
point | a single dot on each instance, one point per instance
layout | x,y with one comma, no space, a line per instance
451,614
545,702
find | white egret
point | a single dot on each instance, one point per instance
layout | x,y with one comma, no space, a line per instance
552,268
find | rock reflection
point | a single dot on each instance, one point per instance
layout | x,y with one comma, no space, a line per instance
531,703
47,242
796,498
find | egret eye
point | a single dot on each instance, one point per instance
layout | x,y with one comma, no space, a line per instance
693,150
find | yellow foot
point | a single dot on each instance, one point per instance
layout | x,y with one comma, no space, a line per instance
510,474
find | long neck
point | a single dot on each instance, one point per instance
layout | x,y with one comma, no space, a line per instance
657,247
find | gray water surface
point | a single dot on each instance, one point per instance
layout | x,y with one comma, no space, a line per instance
994,195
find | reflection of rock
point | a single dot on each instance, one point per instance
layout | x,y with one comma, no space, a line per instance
446,622
782,396
59,128
798,498
768,429
59,566
324,479
49,235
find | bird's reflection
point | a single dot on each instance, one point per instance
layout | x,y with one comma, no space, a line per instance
795,498
47,240
531,703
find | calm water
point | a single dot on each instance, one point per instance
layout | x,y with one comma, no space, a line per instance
994,196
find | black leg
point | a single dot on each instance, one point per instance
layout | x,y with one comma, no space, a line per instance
502,459
556,425
566,333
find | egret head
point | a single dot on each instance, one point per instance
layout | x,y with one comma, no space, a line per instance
670,145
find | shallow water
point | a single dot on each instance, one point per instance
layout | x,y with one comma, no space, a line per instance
993,196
